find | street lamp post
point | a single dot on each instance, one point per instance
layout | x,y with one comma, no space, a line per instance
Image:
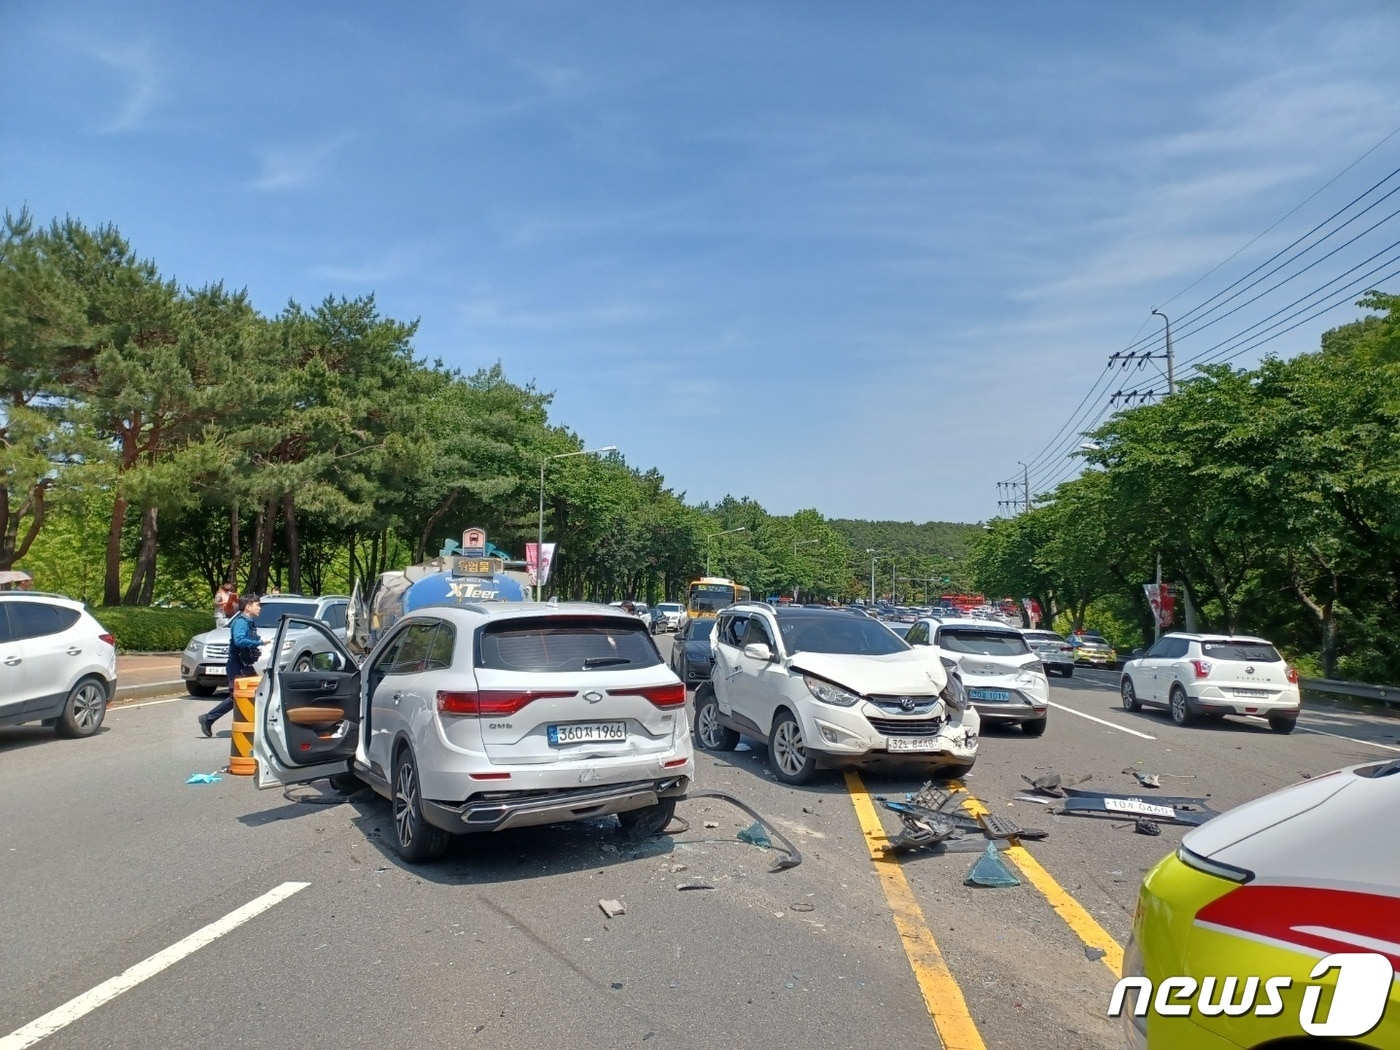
714,536
872,552
539,548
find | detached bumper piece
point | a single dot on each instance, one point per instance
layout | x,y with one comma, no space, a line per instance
1169,809
935,820
497,811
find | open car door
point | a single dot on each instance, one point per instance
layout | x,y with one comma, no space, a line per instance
307,723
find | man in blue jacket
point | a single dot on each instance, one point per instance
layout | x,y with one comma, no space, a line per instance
244,645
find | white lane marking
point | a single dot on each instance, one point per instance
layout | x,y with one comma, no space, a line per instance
1349,739
119,706
1081,714
84,1004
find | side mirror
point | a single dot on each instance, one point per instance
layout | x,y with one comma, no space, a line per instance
327,662
758,651
1136,654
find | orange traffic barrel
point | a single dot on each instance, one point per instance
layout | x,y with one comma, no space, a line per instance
241,761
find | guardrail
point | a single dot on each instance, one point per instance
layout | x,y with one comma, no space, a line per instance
1386,694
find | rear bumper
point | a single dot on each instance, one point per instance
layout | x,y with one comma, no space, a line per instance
498,811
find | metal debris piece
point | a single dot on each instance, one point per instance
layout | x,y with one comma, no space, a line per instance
1054,784
793,857
1147,826
612,909
933,817
1191,812
802,906
711,823
1147,780
990,870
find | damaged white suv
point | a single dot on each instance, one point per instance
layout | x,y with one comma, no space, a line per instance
830,688
484,717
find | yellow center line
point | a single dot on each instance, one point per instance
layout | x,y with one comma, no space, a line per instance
1076,917
944,999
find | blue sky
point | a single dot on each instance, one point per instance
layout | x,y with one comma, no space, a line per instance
862,257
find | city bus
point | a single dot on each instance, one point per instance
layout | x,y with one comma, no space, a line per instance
709,594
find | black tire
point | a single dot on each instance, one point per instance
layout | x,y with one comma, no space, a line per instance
346,783
1067,672
303,663
638,824
84,709
708,732
1283,723
200,689
1180,706
415,840
1130,700
1036,727
792,763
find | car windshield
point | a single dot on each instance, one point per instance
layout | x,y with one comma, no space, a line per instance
669,607
1242,652
1042,636
1093,639
981,642
559,643
274,611
838,633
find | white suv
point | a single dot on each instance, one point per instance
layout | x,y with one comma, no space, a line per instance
1005,680
485,717
1214,675
828,687
58,665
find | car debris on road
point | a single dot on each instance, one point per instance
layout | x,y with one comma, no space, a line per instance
933,817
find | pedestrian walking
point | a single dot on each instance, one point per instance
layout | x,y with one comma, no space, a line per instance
244,646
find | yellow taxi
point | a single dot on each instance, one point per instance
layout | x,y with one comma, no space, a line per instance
1275,926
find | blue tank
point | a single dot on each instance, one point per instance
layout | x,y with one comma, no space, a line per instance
443,588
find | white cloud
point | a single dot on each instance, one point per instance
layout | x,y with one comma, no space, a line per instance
295,167
136,66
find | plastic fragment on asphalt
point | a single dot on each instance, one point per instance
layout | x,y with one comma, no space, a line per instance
755,835
1144,826
694,884
990,870
612,909
204,778
802,906
1094,954
711,823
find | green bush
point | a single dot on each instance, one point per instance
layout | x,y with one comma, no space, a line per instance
141,630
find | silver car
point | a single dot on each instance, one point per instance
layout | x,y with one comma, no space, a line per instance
1054,651
204,663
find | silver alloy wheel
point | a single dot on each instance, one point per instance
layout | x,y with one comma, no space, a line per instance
406,803
303,663
88,705
1130,700
788,751
707,726
1180,712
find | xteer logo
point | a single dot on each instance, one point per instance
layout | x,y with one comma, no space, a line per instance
1359,997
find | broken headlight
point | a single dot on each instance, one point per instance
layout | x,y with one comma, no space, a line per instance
953,694
828,693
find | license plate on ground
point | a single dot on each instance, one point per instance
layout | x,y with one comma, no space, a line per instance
586,733
914,743
988,694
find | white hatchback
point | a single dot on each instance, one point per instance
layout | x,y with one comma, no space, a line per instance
1005,680
58,665
1194,675
484,717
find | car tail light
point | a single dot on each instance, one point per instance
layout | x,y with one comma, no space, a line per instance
1292,673
1066,648
1202,668
111,639
491,702
659,695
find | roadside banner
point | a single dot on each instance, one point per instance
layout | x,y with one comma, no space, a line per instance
546,562
1032,608
532,561
1162,598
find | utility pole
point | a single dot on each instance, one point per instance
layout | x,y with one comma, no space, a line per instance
1125,357
871,551
1171,357
1025,486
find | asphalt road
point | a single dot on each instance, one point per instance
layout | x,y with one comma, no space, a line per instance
108,859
